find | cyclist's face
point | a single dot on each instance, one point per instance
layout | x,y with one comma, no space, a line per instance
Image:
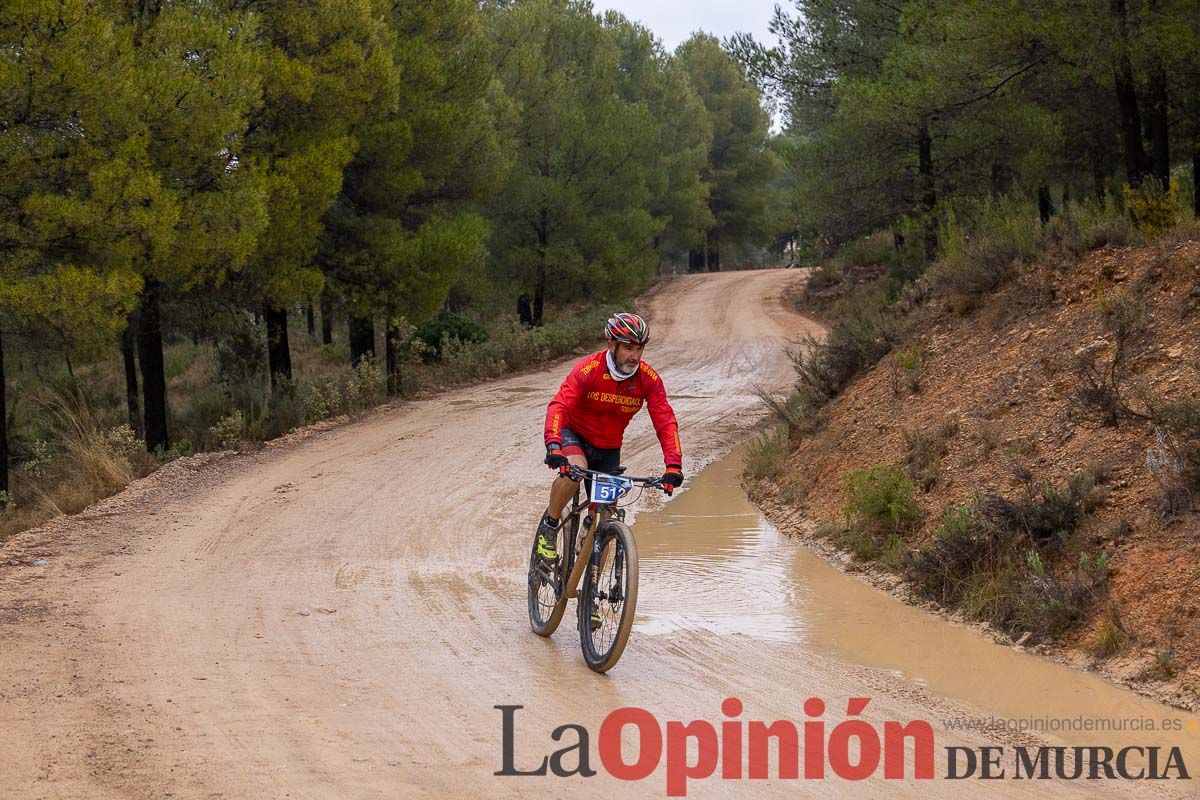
627,356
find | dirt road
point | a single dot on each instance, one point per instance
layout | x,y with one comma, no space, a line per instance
338,617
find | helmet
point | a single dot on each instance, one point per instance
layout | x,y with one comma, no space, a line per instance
627,328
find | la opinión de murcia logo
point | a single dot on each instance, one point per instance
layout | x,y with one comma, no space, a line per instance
737,749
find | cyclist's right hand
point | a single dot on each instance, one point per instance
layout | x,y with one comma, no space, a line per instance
555,458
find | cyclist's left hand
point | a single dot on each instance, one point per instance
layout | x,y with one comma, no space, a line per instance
672,478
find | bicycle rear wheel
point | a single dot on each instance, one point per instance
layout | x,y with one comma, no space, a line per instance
610,586
545,582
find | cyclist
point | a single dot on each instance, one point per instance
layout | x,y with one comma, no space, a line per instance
587,418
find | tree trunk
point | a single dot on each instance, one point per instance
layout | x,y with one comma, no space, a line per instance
1045,204
539,288
1196,172
150,356
1002,177
392,356
128,343
3,431
1131,121
279,355
1160,149
326,319
928,189
1099,176
311,315
362,338
539,293
525,311
1066,197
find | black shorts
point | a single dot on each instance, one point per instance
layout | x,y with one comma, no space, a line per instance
601,459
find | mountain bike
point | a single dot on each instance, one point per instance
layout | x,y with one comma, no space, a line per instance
597,564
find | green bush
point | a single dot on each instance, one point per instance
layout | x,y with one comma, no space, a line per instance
879,500
229,431
876,249
1154,208
207,406
514,348
323,398
447,327
972,264
1090,225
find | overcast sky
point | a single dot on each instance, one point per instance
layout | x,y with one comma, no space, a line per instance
673,21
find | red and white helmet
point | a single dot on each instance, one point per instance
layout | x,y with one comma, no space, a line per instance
627,329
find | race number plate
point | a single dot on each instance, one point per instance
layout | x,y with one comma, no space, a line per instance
608,490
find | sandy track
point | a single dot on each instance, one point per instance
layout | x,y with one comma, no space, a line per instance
337,617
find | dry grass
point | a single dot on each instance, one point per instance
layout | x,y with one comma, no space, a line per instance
89,462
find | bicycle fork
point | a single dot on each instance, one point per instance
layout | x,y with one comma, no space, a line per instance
613,596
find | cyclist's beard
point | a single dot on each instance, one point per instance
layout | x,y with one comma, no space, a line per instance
623,370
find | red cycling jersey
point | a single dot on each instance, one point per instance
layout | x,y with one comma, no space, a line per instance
598,407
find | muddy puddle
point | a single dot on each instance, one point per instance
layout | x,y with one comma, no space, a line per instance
710,561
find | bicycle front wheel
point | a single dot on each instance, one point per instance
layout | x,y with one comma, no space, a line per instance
608,596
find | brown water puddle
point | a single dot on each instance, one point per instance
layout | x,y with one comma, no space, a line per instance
710,561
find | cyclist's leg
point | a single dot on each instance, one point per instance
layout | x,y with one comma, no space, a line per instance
561,492
563,488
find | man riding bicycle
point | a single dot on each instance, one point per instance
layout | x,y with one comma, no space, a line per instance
586,420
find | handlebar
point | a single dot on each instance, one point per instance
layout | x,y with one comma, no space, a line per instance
578,473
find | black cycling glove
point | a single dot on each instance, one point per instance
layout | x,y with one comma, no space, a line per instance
555,458
672,478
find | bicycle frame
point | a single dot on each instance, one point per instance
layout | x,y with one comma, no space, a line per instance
575,566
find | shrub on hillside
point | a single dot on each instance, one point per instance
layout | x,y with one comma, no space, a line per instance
972,264
863,334
906,370
1153,207
924,448
766,454
988,559
1174,461
1099,393
880,499
880,512
874,249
